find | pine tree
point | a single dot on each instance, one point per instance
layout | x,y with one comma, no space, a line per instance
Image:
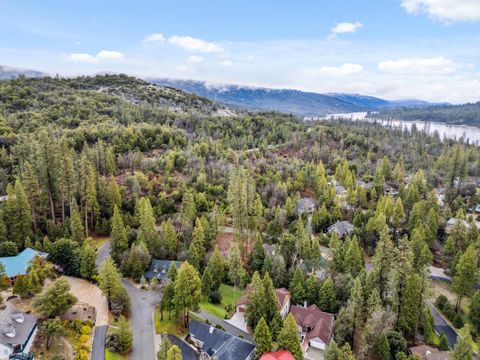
255,301
174,353
66,172
257,257
332,351
382,348
23,215
22,286
123,335
262,338
270,301
55,299
88,268
30,182
297,288
408,316
463,348
465,274
236,272
216,267
196,251
474,312
354,258
109,280
113,194
119,240
326,296
50,328
90,203
169,238
188,210
188,290
288,338
443,342
383,264
76,226
147,232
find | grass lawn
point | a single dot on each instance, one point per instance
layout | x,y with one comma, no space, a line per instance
172,326
98,241
114,356
227,298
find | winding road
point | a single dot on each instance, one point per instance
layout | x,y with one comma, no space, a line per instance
143,306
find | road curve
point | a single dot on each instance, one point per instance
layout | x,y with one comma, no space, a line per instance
143,306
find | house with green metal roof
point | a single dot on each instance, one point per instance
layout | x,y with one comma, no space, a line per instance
18,264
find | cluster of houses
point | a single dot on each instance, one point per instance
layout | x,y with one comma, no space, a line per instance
17,329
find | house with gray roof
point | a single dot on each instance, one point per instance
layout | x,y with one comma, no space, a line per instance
214,343
18,264
158,269
17,332
305,205
341,228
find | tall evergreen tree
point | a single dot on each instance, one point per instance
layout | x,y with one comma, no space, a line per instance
188,291
119,240
288,338
465,274
262,338
76,226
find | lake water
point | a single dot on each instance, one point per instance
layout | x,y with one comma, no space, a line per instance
449,131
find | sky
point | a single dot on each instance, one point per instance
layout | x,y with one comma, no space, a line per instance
394,49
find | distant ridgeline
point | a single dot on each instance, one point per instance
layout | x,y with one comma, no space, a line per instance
466,114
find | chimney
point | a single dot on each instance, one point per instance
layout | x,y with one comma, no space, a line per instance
210,330
304,304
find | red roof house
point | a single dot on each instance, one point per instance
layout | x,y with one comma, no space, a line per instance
278,355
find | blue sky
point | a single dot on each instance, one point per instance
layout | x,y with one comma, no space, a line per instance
425,49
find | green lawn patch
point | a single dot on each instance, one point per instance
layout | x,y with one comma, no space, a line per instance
114,356
170,326
218,310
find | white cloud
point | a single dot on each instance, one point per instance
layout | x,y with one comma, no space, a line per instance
110,55
346,27
104,55
226,63
195,59
194,45
344,70
82,58
436,65
445,10
154,38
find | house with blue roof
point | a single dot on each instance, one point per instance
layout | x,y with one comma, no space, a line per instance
214,343
18,264
158,269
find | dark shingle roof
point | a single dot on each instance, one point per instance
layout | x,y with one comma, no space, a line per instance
219,343
14,322
159,268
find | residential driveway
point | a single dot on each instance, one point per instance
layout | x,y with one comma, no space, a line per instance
98,347
441,325
90,294
143,306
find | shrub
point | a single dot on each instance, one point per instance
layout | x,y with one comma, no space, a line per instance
215,297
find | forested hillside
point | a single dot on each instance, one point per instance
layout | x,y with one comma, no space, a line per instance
168,175
466,114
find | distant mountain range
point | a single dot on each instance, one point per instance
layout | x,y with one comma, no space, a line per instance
301,103
10,72
286,100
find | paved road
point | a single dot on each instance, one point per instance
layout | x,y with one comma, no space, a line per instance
143,306
98,347
228,327
441,325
